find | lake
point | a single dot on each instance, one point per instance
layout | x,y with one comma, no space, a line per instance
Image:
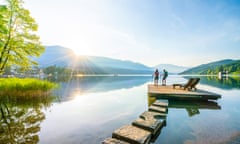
86,110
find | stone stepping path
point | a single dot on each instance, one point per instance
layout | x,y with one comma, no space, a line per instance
158,109
132,134
144,129
114,141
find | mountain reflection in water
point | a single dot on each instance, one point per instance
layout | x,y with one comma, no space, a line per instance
95,84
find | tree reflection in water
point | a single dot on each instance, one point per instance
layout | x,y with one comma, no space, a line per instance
226,83
20,118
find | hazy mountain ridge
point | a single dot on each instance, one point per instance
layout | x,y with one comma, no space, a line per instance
64,57
232,66
55,55
171,68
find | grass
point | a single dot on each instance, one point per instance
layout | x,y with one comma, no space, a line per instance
236,73
25,86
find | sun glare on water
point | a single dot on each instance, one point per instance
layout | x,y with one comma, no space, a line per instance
80,75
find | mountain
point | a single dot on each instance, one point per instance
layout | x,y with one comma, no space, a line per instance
232,66
56,55
171,68
64,57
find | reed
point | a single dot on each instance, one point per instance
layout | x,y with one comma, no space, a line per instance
25,86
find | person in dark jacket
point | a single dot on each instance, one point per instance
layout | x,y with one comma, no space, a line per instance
156,77
165,75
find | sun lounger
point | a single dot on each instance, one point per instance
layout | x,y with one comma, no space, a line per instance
191,84
195,82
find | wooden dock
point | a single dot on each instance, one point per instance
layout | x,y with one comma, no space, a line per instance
168,92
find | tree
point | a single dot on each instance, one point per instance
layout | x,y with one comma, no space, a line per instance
19,42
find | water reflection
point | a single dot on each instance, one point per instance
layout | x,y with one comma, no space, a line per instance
192,107
223,83
93,84
110,102
20,118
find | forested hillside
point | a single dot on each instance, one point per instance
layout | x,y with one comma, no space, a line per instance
232,66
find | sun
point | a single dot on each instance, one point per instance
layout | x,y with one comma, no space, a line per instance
82,51
77,52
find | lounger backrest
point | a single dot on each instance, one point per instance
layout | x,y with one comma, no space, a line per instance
189,83
195,82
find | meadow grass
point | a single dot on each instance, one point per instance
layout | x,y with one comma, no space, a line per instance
237,73
25,86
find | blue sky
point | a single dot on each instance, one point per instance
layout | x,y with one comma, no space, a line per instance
181,32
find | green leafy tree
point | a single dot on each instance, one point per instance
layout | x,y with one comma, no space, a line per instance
18,40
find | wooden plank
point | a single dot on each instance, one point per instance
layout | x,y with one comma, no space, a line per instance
157,109
152,125
167,92
161,103
151,121
152,115
132,134
113,141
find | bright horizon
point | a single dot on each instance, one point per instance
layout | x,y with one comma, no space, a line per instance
184,33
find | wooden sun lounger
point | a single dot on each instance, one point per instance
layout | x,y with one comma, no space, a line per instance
191,84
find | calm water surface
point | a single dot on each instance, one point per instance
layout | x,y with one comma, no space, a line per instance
88,109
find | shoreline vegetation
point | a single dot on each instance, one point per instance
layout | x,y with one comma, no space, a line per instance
25,87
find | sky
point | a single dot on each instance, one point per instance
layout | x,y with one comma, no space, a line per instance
180,32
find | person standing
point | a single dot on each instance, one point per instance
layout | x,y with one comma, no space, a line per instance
165,75
156,77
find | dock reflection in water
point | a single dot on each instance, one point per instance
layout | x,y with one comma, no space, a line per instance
192,107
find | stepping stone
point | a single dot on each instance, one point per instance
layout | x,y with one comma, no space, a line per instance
157,109
153,115
132,134
151,124
113,141
161,103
